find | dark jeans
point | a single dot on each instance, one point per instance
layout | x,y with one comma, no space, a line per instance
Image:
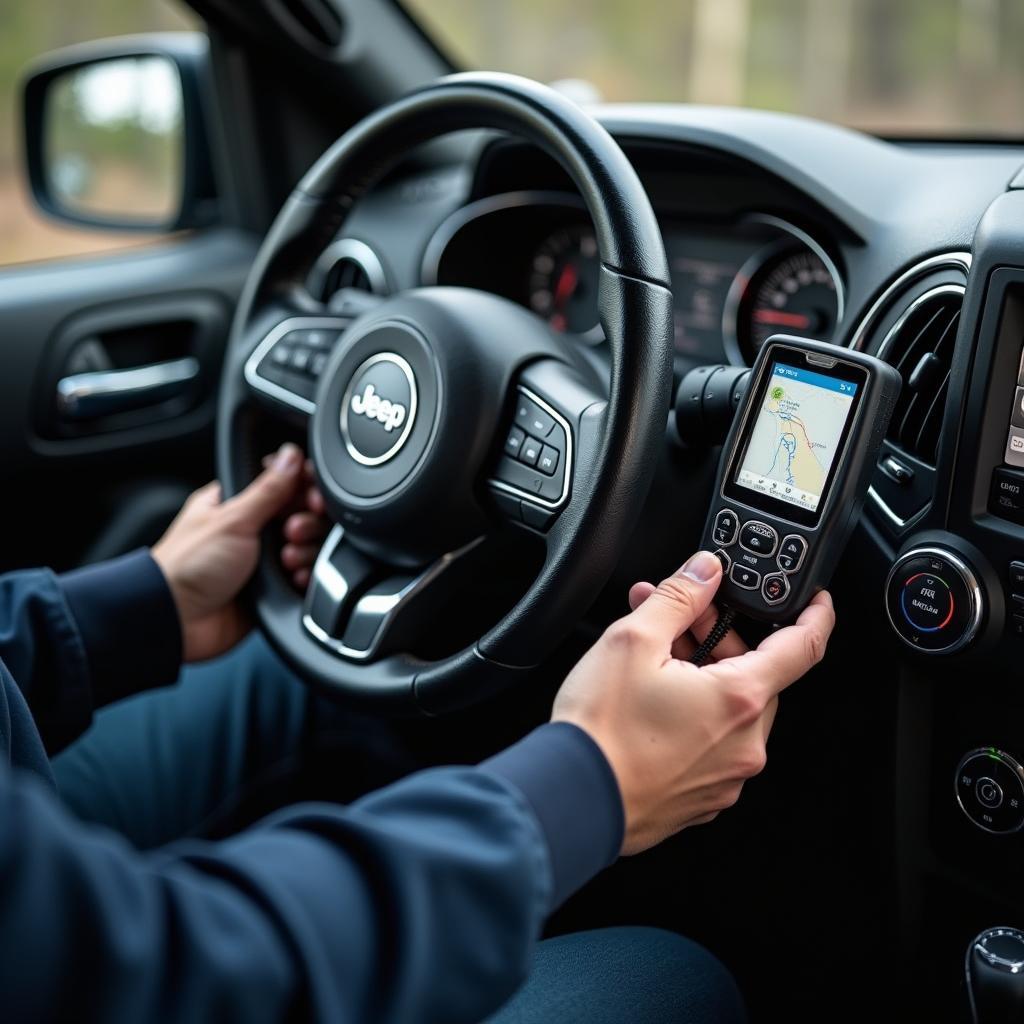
240,736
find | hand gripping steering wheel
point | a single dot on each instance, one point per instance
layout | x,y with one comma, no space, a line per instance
410,418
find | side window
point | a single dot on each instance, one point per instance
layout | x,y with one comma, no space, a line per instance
31,29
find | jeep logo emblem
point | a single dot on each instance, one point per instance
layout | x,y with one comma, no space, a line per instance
369,403
378,409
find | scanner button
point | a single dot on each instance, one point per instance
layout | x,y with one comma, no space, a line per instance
775,588
791,552
748,579
759,538
727,523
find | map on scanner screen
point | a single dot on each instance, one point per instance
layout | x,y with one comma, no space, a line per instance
796,435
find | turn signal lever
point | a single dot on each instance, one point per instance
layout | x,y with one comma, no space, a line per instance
995,976
706,401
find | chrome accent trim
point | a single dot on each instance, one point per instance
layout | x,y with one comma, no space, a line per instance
403,365
566,479
353,251
968,577
879,503
108,392
961,260
268,387
458,219
916,304
389,604
755,263
1010,762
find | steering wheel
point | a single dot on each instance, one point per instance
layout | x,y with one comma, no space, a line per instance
441,415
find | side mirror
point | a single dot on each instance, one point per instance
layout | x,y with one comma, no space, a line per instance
115,134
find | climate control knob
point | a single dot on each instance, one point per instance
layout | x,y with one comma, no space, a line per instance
933,600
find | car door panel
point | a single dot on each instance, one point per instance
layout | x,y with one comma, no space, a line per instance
108,380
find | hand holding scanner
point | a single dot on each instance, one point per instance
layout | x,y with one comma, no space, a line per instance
794,473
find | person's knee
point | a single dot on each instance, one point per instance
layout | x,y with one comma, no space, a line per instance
631,975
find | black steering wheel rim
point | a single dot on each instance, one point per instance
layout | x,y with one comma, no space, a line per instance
618,442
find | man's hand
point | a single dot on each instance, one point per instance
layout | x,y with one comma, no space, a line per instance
210,550
681,739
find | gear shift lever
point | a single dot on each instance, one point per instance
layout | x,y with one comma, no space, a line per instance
995,976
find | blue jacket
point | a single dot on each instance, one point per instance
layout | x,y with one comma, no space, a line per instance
421,902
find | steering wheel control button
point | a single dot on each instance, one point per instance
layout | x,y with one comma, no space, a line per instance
927,602
933,601
775,588
530,451
548,461
514,442
745,577
727,524
759,538
990,790
791,552
532,418
1006,498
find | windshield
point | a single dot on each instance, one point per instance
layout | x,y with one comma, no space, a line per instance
894,67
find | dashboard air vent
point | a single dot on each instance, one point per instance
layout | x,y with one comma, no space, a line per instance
316,19
347,263
920,345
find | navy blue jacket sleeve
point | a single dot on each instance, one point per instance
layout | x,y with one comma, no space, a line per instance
79,641
420,903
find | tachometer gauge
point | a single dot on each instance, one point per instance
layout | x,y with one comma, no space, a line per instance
792,293
564,276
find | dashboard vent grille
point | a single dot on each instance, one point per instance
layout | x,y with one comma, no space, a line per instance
346,273
920,346
316,19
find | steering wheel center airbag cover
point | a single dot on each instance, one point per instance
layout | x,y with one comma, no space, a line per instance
376,412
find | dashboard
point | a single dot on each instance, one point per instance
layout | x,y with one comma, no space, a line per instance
735,283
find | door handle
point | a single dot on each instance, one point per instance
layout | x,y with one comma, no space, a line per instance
82,396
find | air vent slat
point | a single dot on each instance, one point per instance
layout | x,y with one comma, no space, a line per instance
920,346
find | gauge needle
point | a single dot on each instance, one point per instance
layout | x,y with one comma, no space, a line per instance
566,285
782,318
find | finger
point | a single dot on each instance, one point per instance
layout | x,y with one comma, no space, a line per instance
299,556
315,501
301,578
638,593
207,496
270,492
304,527
785,656
730,646
679,600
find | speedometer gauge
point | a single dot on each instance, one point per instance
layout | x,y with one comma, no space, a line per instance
564,277
791,293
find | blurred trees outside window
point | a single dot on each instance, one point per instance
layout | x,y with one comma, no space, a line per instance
31,28
895,67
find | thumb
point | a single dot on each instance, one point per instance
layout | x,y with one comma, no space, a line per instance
677,602
270,492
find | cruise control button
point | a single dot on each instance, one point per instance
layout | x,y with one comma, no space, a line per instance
530,451
748,579
514,442
726,525
775,588
548,461
759,538
927,602
281,354
791,552
532,418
